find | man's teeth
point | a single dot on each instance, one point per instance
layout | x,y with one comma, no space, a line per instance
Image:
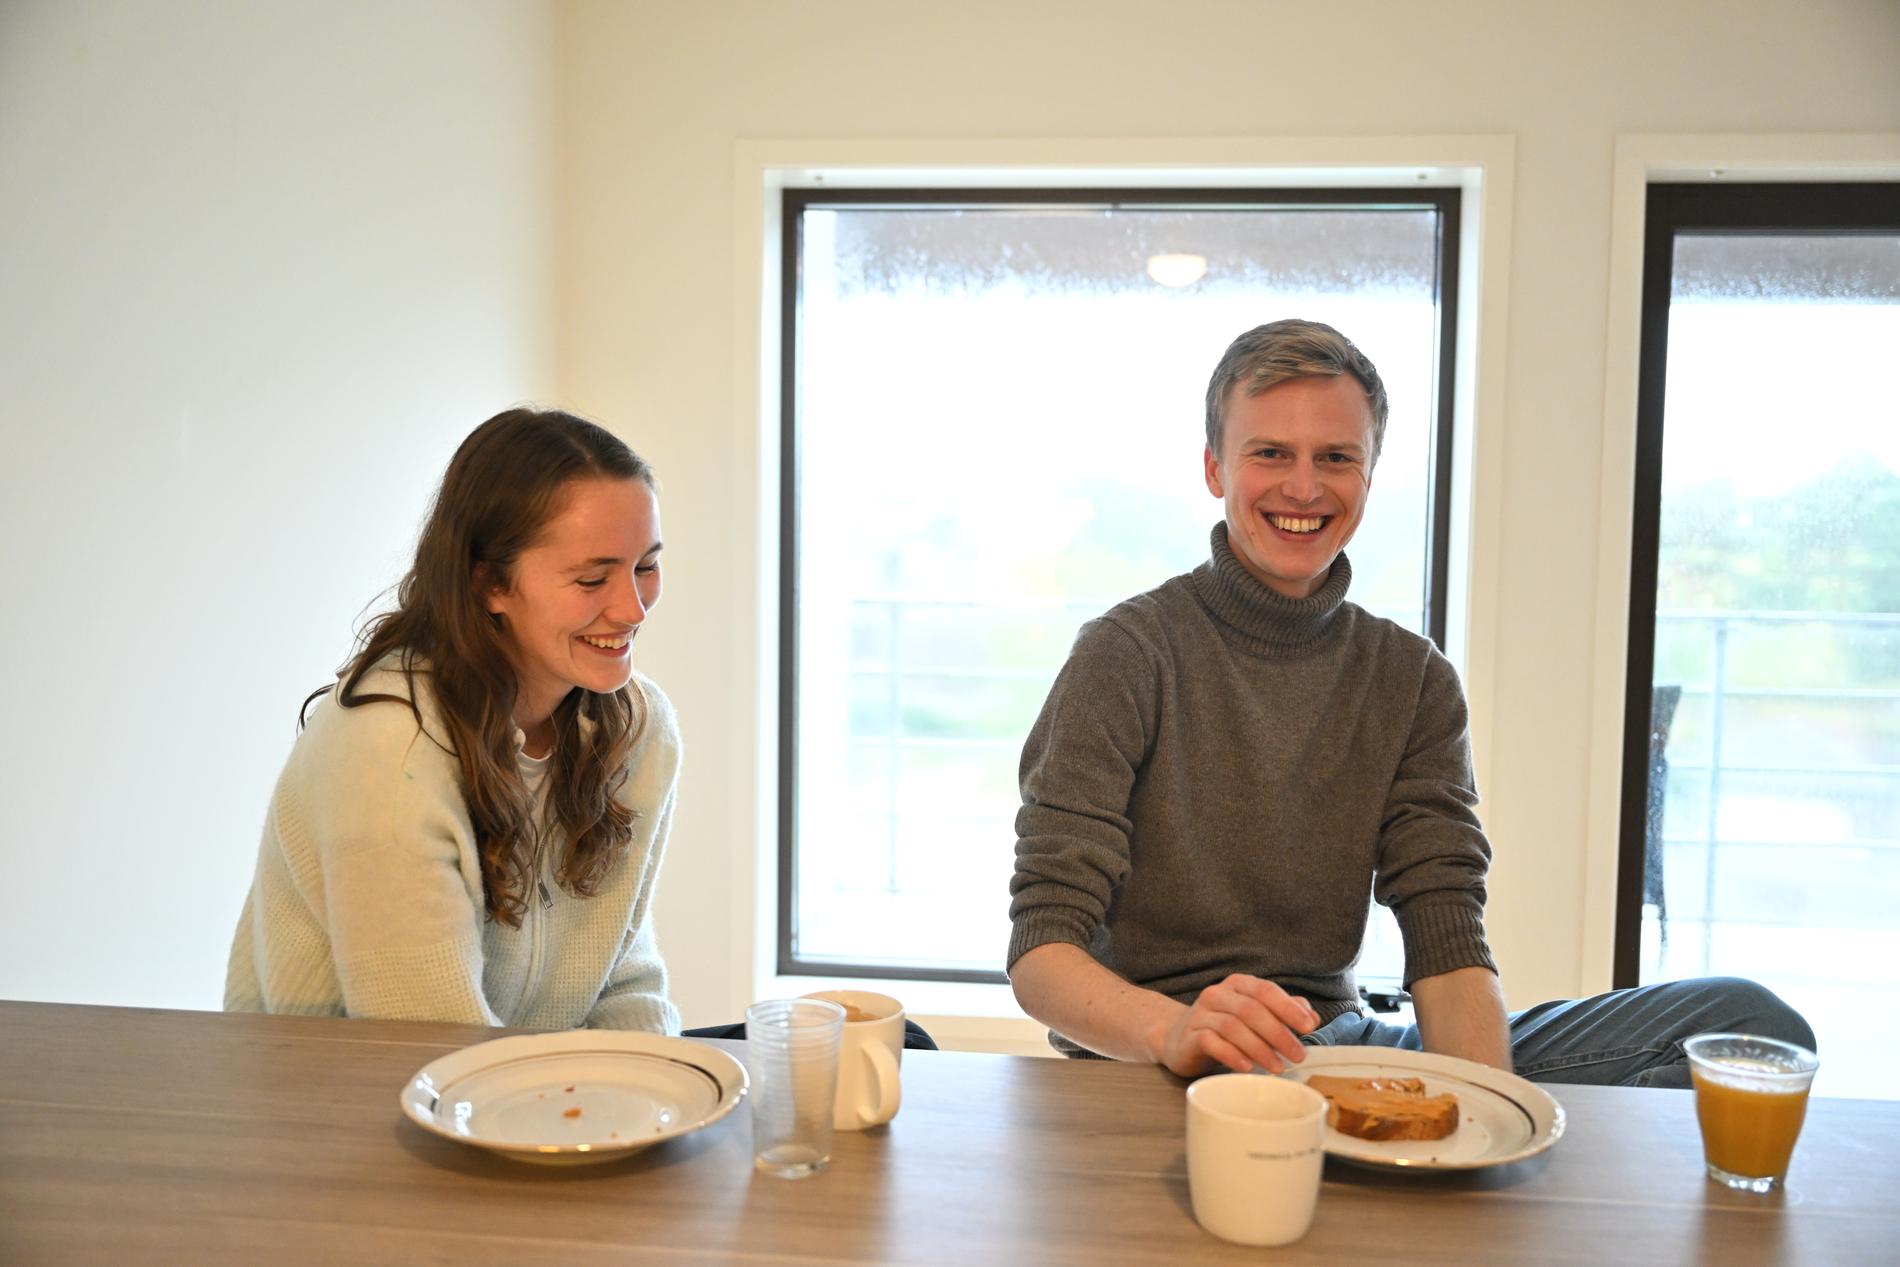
1288,523
605,644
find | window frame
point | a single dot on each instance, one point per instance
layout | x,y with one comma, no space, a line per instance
1670,209
1445,201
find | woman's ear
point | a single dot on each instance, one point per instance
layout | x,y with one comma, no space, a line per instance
494,596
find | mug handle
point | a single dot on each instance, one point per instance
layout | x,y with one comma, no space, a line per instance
886,1091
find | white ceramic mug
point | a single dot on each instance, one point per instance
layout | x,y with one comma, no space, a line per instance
868,1088
1254,1156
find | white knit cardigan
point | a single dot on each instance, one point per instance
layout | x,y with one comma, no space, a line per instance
367,899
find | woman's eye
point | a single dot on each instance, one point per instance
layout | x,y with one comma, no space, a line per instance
592,582
647,569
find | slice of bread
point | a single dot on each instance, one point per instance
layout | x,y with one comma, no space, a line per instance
1385,1108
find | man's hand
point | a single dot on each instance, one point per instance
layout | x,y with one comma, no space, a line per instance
1241,1022
1238,1023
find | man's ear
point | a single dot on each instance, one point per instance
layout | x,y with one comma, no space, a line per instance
1212,465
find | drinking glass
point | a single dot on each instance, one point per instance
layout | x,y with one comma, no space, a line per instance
792,1063
1751,1096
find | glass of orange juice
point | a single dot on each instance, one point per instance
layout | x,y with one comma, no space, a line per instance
1751,1096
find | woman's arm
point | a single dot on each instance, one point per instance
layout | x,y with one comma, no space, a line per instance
371,812
634,996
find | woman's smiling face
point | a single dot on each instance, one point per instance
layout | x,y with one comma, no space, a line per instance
577,597
1293,473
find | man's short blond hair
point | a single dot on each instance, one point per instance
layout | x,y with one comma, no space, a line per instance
1292,348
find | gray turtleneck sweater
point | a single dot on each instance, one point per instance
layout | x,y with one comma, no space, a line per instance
1221,779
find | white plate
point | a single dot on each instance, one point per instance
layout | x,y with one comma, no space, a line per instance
577,1096
1501,1117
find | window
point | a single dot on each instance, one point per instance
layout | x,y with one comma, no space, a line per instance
1761,812
992,433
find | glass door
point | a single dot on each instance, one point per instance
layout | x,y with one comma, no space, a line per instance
1761,817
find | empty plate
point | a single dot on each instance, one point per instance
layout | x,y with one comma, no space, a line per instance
576,1096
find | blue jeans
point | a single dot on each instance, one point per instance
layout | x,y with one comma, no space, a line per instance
1626,1038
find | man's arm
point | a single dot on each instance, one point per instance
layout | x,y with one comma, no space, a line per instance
1461,1013
1080,763
1239,1023
1433,856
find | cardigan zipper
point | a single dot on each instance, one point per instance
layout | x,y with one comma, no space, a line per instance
537,916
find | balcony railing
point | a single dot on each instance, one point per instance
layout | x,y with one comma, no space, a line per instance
1861,787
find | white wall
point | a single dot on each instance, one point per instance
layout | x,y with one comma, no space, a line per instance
656,96
261,266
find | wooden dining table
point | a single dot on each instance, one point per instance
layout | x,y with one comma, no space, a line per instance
133,1136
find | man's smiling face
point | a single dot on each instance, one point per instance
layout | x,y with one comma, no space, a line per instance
1294,470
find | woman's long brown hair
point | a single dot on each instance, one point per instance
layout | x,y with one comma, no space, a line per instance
504,484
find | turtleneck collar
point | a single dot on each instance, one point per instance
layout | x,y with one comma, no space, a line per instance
1262,615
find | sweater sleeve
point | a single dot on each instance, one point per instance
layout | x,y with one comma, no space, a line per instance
1432,851
634,996
384,818
1078,771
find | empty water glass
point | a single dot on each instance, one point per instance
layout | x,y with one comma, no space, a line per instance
792,1062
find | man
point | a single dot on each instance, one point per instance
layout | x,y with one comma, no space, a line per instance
1231,765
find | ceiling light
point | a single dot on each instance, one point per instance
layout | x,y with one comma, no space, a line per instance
1177,270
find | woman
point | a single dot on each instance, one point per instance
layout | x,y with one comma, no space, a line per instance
471,821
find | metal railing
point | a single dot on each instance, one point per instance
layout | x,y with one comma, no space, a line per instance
1720,692
1070,611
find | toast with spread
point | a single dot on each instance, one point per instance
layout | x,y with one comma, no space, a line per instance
1385,1108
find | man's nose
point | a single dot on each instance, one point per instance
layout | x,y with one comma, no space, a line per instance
1302,483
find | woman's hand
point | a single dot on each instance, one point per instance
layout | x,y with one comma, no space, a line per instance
1242,1022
